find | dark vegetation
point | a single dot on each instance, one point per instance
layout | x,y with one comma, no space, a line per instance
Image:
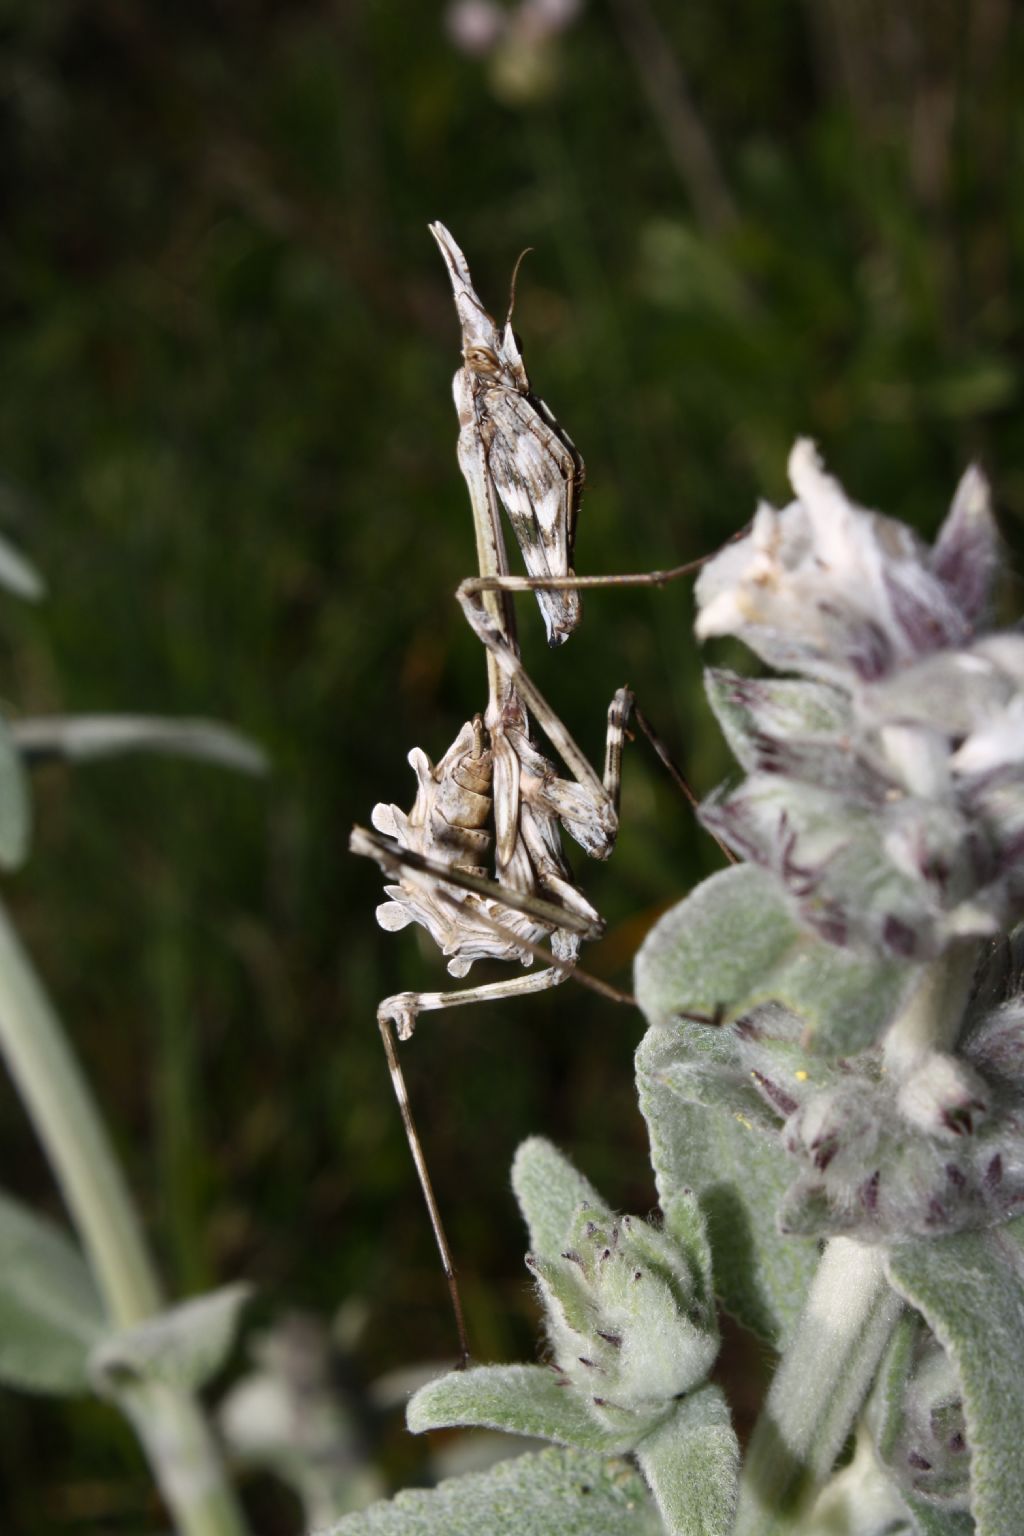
226,436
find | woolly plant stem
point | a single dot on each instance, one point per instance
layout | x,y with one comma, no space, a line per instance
169,1422
818,1388
933,1015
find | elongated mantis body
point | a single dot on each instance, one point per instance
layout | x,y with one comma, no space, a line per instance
503,425
493,792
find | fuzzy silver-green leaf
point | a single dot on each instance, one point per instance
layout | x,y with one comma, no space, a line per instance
548,1493
51,1316
550,1191
739,1176
970,1288
182,1347
734,944
517,1399
691,1462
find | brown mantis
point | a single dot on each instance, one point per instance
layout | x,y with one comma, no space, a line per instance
493,786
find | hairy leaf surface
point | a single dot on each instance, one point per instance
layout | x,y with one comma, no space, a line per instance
548,1493
50,1313
519,1399
691,1462
970,1288
735,943
183,1347
739,1176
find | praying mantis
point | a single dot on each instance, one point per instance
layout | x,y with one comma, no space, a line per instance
493,788
493,767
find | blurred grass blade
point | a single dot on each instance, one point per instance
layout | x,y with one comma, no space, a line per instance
15,801
19,575
50,1313
81,738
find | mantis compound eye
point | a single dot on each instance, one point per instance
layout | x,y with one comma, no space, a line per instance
482,360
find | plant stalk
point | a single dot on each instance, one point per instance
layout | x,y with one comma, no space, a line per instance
169,1422
818,1388
934,1013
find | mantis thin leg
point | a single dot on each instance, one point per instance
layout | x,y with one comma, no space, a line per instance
622,706
489,582
676,774
393,858
508,660
416,1148
403,1007
619,710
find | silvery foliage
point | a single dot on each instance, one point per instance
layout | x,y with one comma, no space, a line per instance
885,797
868,978
874,1153
834,1051
632,1336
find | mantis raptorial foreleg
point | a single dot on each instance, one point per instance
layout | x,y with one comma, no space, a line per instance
588,808
403,1007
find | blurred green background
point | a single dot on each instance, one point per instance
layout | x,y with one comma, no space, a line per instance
226,436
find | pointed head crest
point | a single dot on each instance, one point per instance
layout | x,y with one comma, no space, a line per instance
489,353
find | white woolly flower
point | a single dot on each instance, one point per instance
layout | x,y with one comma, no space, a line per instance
994,747
827,588
885,784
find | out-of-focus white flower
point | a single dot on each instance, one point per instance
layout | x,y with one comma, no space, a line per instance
292,1415
520,42
479,26
550,15
476,26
